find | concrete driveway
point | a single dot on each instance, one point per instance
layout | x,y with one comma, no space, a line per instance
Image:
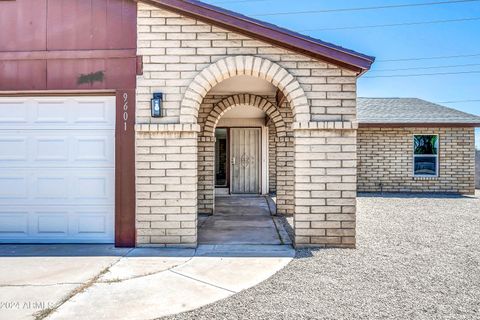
103,282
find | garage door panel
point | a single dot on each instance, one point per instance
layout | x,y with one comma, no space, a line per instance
92,112
49,148
64,224
13,148
57,169
13,187
50,187
91,187
51,112
93,222
94,148
54,186
48,223
68,113
13,222
60,148
13,111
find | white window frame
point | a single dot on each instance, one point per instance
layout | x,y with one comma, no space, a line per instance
437,156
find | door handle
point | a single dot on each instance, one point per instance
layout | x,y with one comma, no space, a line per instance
233,161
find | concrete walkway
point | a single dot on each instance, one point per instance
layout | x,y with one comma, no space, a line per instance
241,220
102,282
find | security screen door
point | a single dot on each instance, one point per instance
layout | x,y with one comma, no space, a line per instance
245,160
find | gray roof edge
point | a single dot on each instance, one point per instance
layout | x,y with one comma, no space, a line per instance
454,116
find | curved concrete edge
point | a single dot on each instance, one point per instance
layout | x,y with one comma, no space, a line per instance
160,282
236,268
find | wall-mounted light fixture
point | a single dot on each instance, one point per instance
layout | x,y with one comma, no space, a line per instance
156,105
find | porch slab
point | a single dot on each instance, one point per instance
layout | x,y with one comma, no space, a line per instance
240,220
243,201
238,236
241,210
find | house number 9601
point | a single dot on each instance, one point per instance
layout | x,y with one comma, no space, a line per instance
125,110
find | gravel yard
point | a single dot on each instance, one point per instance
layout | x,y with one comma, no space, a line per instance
417,258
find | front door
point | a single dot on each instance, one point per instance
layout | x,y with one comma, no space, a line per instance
245,160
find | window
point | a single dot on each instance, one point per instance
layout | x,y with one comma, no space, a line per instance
425,155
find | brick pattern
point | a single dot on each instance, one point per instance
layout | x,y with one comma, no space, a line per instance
166,182
210,123
285,157
272,158
184,59
239,66
325,188
176,49
386,160
206,175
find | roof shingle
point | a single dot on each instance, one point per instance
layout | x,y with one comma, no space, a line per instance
410,111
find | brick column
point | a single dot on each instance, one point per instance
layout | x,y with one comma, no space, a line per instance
325,184
206,175
285,173
167,185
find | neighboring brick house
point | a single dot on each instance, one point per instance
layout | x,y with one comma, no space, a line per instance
391,156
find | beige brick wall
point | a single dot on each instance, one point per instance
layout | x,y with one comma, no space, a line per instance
175,51
272,158
325,187
386,160
166,185
285,161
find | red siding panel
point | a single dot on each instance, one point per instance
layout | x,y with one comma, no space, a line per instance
23,25
99,25
23,75
49,44
121,73
64,74
105,24
122,35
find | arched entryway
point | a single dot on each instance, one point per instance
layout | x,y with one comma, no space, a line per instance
248,104
250,66
241,141
250,152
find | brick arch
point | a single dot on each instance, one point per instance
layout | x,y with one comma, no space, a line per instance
244,99
244,65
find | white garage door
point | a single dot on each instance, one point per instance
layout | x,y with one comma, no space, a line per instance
57,169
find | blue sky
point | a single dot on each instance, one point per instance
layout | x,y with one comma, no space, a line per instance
429,40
